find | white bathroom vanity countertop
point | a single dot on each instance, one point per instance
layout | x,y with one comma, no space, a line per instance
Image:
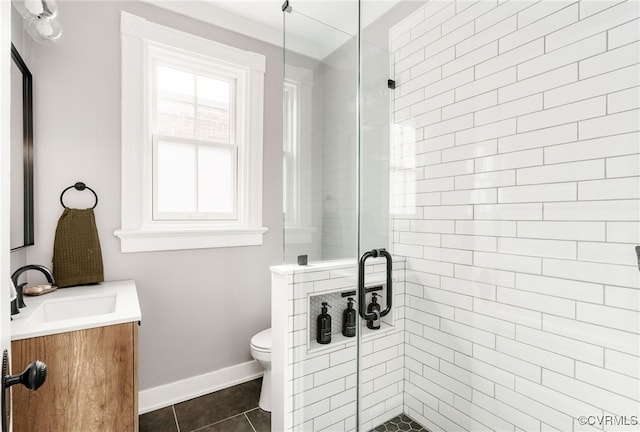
77,308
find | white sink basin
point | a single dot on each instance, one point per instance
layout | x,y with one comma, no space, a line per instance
77,308
74,307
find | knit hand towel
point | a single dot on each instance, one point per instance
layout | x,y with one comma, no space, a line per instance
77,257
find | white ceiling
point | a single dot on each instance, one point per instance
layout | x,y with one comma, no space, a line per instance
314,28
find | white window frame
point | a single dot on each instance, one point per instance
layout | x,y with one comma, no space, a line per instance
142,42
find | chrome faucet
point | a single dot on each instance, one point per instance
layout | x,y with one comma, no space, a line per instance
19,300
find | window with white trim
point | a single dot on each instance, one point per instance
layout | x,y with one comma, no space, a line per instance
194,139
191,141
290,163
300,200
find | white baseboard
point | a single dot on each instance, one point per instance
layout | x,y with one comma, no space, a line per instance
180,391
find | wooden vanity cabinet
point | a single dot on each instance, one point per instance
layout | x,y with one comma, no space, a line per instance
92,381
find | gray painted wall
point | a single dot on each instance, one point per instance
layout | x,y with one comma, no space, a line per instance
200,308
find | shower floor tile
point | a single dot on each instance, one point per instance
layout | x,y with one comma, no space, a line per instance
400,423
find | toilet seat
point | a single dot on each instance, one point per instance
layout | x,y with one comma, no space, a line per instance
262,341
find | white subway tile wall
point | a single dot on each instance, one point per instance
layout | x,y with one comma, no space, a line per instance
523,291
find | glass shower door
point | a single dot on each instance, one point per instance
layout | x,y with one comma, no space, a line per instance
381,366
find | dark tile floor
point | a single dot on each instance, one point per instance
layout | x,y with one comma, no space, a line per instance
234,409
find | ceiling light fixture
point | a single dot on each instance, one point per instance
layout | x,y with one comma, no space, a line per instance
41,19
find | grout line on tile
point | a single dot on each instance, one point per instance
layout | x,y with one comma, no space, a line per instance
249,420
223,420
175,417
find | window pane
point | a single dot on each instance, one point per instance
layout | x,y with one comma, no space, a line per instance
213,124
213,109
175,102
174,118
216,167
175,84
176,177
288,198
290,143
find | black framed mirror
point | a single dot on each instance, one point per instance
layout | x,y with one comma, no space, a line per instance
21,153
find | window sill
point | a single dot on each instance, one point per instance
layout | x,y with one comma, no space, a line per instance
149,239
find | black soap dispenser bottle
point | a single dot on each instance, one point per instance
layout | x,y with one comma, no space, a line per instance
349,320
324,325
374,324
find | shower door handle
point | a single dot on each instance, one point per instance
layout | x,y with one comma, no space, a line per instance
374,253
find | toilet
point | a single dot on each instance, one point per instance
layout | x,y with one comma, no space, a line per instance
261,352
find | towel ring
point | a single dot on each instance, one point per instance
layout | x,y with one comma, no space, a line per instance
79,186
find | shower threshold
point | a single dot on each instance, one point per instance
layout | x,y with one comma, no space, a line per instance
401,423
